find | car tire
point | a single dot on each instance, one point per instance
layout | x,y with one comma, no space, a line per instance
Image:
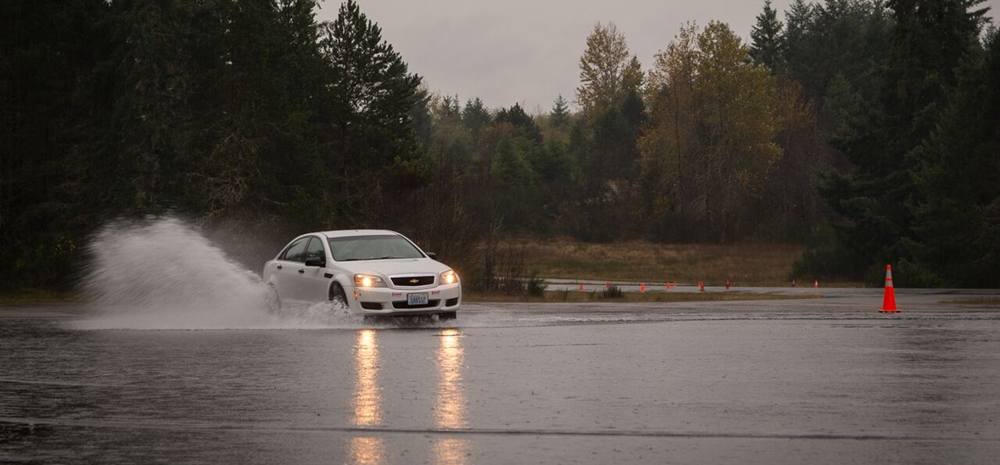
337,296
447,316
273,299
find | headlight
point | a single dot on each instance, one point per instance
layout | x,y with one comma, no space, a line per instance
367,280
449,277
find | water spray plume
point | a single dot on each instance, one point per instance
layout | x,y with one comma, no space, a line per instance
163,274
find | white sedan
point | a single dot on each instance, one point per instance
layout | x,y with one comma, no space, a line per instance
371,272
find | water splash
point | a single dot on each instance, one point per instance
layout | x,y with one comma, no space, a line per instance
162,274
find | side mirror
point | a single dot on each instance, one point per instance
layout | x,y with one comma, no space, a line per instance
316,261
432,255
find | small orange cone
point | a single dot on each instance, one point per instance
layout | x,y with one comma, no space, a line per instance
816,284
607,285
727,284
642,288
581,287
701,286
889,298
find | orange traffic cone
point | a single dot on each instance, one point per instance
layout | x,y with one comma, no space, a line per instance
667,285
816,284
642,288
727,284
607,285
581,287
701,286
889,298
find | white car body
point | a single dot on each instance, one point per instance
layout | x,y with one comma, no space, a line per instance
380,273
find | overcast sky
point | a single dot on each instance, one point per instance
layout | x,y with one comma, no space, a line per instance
528,51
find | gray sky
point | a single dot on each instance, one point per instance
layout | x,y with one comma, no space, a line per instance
528,51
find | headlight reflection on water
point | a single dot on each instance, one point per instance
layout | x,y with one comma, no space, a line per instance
449,408
451,402
367,450
367,393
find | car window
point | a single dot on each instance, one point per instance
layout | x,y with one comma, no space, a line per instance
380,247
315,249
297,251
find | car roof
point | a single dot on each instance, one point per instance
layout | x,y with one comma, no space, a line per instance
359,232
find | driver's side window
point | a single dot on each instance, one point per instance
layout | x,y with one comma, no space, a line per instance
297,251
315,250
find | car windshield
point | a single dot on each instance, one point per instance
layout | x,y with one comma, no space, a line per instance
379,247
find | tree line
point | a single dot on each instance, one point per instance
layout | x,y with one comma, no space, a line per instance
868,129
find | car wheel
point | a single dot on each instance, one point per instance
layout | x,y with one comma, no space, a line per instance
447,316
337,296
273,299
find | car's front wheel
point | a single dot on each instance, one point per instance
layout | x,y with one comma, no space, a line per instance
337,296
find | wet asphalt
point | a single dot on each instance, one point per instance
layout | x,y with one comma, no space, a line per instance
822,380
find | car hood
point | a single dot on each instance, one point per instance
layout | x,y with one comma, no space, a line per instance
402,266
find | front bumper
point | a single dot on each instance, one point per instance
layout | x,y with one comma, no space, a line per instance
394,301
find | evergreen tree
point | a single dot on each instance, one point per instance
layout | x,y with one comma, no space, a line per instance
798,37
957,219
423,122
55,105
930,39
520,120
475,115
255,103
560,112
371,136
768,46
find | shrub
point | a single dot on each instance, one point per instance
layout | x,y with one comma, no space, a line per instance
613,292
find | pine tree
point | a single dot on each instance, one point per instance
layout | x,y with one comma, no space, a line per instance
524,124
798,35
475,116
371,93
957,217
560,112
768,47
930,39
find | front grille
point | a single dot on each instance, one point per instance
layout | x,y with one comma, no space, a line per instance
402,305
371,305
413,281
451,302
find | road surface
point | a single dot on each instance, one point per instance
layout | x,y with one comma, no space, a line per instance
823,380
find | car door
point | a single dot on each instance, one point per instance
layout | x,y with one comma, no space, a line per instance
314,281
287,270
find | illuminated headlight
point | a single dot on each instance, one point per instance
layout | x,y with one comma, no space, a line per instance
449,277
367,280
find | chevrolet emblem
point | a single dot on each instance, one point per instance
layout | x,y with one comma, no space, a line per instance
414,281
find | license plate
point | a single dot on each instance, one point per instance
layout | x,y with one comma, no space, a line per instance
417,299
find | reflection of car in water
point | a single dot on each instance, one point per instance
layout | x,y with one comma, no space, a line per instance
372,272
